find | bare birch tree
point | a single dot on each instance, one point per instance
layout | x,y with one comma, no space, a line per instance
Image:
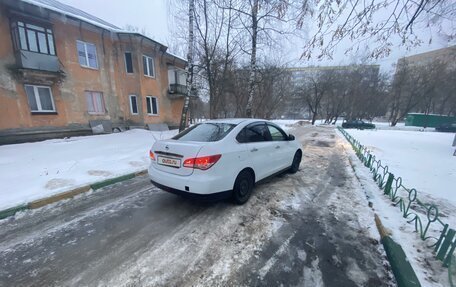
261,19
189,68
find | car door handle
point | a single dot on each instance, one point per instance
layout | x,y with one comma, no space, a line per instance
277,147
254,149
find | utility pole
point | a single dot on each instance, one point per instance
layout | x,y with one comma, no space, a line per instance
189,68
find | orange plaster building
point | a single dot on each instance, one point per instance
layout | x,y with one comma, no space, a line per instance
62,69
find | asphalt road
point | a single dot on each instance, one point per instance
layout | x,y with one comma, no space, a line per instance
308,229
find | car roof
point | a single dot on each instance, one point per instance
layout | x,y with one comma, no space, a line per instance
234,121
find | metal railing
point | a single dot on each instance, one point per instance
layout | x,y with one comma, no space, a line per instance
178,89
425,217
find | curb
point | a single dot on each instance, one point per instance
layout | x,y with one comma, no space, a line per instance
110,181
68,194
11,211
60,196
402,270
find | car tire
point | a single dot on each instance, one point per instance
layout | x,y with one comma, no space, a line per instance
296,162
243,187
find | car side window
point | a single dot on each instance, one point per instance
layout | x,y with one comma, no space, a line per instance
277,134
254,133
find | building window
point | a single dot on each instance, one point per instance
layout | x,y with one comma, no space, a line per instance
33,38
134,105
148,64
128,62
152,105
95,103
40,99
87,54
177,76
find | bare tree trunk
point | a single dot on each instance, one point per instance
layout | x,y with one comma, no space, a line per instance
227,57
251,85
189,68
208,58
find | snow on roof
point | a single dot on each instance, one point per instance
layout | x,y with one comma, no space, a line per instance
70,11
176,56
59,7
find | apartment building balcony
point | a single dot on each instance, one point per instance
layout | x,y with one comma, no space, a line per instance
37,61
176,91
35,52
37,68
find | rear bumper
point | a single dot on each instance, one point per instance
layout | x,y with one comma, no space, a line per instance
200,197
201,184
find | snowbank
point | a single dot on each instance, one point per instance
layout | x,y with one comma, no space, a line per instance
424,160
286,124
32,171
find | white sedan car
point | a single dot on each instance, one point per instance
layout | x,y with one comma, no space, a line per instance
223,158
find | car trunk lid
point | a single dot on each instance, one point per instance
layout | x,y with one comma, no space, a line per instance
170,155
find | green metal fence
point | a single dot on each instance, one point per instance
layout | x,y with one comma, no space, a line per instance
424,216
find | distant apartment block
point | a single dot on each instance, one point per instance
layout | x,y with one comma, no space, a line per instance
447,55
295,107
301,74
62,69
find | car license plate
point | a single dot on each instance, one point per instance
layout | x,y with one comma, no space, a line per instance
169,161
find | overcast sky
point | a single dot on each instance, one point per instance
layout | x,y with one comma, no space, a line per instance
153,16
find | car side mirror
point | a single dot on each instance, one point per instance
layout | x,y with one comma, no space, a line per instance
291,137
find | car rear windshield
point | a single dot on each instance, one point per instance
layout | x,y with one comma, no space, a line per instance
205,132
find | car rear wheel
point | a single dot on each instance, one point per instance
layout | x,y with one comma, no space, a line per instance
243,187
296,162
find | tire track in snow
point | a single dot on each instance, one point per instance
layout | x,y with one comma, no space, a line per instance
280,251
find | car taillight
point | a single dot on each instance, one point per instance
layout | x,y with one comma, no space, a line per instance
152,155
202,163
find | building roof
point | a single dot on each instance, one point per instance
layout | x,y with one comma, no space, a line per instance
61,8
176,56
321,68
447,55
67,10
434,53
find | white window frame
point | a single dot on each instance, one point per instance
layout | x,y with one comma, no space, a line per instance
26,28
38,101
131,106
102,101
148,67
87,55
125,60
151,106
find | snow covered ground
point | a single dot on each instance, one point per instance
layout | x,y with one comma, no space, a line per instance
424,160
400,127
428,269
311,228
32,171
